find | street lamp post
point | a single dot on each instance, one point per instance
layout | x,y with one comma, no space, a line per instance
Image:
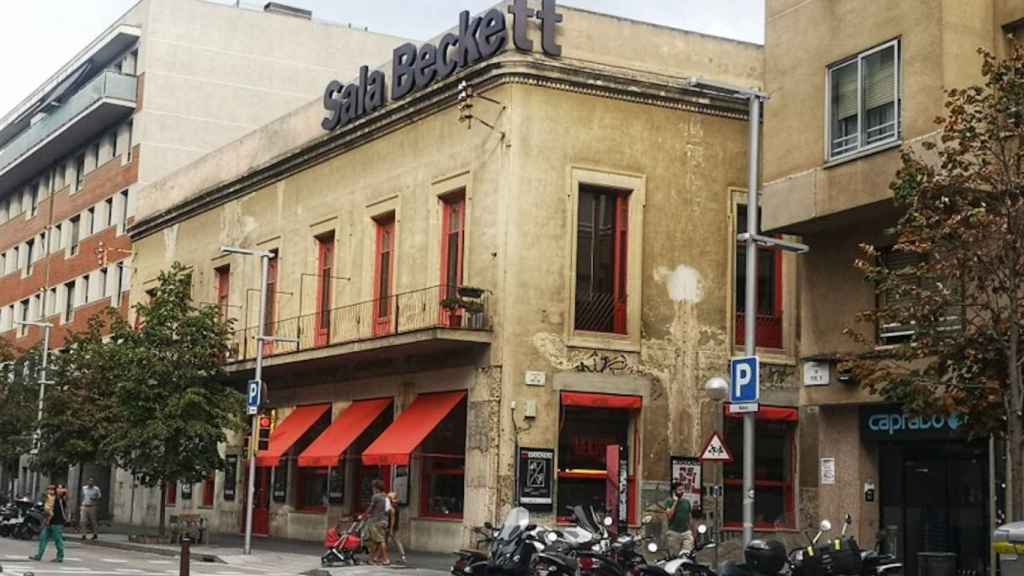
264,257
751,240
46,326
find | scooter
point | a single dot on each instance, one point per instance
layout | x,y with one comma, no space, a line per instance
513,548
468,557
686,564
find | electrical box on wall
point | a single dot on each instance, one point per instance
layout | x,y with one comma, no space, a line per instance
530,409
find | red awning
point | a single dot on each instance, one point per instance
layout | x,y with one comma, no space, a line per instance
410,429
289,432
592,400
772,414
329,446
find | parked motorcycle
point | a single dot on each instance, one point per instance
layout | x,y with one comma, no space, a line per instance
467,557
513,548
686,564
22,519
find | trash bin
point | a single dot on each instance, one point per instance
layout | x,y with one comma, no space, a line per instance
936,564
1008,543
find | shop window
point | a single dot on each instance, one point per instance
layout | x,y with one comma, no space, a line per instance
364,475
774,506
311,489
443,467
325,287
171,493
863,97
223,274
270,312
602,235
208,488
383,280
769,290
584,436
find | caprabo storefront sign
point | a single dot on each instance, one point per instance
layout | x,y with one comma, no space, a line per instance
891,423
413,69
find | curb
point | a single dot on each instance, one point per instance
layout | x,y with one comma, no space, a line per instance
200,556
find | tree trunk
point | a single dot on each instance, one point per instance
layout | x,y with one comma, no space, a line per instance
1015,437
163,505
77,510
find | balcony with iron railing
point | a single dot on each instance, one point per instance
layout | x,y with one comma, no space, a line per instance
105,99
437,313
769,331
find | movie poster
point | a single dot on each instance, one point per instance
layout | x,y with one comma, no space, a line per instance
688,472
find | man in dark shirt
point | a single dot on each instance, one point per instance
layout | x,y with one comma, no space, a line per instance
54,527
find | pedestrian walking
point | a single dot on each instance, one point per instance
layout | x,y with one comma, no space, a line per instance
679,536
91,496
377,524
54,528
392,539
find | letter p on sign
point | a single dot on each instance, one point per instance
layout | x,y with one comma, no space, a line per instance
745,377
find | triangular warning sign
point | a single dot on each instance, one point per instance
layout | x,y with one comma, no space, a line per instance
715,450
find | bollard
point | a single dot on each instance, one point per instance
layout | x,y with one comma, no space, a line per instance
185,556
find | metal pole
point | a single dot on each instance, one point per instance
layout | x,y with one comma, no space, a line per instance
254,439
42,396
750,315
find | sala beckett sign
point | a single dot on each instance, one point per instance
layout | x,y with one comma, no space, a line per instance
412,68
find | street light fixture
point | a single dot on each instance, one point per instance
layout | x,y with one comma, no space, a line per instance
265,257
46,326
752,240
717,388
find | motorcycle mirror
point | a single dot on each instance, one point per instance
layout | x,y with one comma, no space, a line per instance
826,526
607,520
647,519
488,525
652,547
702,529
710,545
551,536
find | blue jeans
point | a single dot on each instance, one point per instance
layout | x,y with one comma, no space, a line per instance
56,532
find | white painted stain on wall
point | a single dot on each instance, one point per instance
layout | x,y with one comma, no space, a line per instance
684,284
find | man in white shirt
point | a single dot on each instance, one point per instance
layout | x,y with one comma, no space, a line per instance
91,496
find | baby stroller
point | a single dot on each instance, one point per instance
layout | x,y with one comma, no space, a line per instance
342,547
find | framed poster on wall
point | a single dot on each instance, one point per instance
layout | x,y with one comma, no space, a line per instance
336,485
536,478
186,491
280,493
230,477
687,471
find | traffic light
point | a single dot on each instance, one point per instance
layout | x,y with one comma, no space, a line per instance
264,437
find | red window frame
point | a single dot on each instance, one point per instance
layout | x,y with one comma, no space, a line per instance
769,327
171,493
208,490
325,286
620,258
300,486
788,485
271,311
453,227
223,289
384,276
428,472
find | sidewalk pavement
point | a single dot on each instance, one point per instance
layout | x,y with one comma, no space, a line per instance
299,556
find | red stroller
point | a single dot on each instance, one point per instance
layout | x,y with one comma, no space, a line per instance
342,547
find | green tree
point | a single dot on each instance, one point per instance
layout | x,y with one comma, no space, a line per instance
19,393
79,409
173,402
963,228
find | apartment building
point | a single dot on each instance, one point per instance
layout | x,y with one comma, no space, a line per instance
851,83
166,83
525,263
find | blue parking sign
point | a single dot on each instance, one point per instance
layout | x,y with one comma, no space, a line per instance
744,385
254,396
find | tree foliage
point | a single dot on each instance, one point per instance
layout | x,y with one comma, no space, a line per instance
19,394
963,225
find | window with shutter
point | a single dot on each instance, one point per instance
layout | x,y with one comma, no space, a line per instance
863,101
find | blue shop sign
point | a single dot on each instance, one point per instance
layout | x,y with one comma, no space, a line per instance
891,423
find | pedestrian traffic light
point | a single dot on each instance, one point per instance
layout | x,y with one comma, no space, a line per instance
264,438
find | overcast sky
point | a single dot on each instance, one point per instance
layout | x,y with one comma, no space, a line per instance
39,36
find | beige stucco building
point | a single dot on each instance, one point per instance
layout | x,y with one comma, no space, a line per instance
850,84
550,268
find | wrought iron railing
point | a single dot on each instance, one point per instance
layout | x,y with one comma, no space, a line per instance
435,307
769,331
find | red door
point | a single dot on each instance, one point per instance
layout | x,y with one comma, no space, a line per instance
453,218
384,306
261,511
325,269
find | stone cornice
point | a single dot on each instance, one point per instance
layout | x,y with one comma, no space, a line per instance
511,68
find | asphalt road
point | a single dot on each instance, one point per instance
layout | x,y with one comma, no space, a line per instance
95,561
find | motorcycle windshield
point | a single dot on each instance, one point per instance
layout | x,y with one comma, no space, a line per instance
583,520
517,519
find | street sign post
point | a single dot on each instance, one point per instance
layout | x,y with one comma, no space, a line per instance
254,396
745,384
